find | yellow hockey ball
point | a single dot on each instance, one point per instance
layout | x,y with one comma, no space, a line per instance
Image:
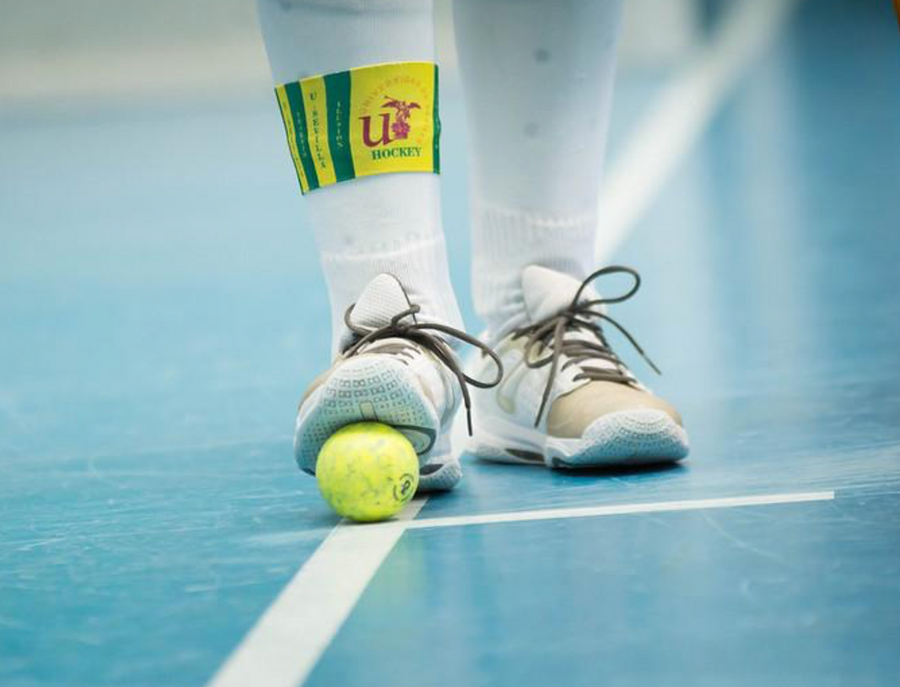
367,471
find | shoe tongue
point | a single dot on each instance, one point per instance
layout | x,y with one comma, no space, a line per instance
547,291
382,299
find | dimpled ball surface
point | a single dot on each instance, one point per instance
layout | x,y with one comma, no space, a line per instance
367,471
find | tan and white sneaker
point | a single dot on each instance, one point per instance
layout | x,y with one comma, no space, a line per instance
566,400
396,369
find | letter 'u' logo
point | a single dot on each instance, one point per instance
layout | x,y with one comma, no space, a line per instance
385,131
400,128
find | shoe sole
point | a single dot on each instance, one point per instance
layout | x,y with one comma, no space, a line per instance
439,474
368,388
636,437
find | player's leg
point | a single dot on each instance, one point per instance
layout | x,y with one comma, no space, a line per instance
538,78
379,234
385,222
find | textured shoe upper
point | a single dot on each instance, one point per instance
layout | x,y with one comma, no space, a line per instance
384,321
379,303
573,412
561,373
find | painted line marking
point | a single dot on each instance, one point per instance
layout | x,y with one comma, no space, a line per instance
287,641
679,116
620,509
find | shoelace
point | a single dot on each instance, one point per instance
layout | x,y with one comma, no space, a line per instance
581,316
421,334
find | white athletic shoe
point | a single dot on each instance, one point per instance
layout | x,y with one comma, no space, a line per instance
566,400
394,369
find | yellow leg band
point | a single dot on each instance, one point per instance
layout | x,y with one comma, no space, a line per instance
372,120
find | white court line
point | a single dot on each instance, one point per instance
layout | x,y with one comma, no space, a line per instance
620,509
287,641
670,128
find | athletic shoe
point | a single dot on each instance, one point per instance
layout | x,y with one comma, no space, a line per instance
395,369
566,399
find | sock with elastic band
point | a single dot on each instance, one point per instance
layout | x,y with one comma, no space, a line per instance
537,79
384,223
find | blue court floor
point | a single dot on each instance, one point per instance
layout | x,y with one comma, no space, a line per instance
161,310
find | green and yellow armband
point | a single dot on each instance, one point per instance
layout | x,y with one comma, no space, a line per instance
371,120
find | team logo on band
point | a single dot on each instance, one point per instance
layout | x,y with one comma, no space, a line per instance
399,128
372,120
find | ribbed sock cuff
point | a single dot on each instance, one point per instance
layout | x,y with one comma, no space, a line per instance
504,242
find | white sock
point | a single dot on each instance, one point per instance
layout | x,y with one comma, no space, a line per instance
385,223
537,78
